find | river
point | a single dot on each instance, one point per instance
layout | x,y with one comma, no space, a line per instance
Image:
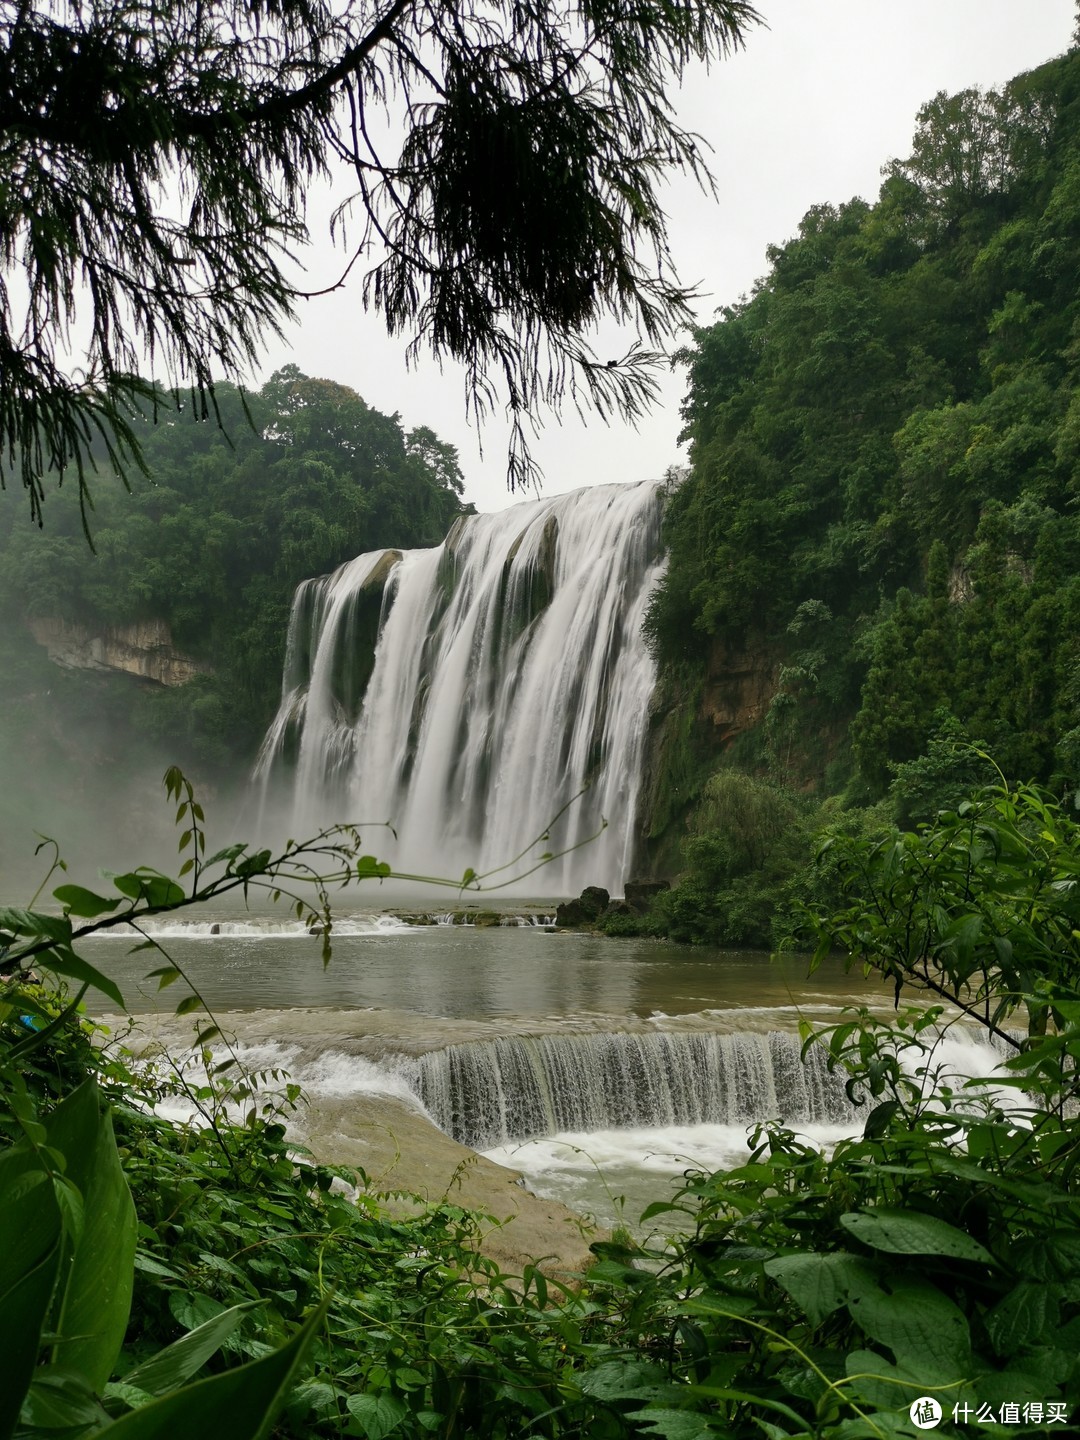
601,1068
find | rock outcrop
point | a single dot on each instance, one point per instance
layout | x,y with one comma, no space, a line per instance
144,649
739,688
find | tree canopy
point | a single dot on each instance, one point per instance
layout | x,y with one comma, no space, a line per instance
218,539
158,157
886,432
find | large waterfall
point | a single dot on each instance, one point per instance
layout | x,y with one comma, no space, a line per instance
466,694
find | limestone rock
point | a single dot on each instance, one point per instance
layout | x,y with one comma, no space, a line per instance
144,649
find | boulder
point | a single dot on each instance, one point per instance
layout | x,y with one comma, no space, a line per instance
585,910
641,893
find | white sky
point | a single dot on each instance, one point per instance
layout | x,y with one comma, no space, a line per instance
807,113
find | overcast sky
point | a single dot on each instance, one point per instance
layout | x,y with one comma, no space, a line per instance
807,113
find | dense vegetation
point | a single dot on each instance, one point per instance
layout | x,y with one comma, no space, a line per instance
214,539
159,1277
506,162
882,506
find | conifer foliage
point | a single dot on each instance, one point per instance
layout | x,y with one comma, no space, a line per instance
160,156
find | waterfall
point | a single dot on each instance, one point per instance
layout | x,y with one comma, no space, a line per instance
489,1093
465,694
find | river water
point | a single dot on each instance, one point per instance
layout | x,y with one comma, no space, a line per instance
602,1068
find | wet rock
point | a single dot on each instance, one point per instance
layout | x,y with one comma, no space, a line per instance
585,910
639,894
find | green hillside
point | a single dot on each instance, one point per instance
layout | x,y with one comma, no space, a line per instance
881,511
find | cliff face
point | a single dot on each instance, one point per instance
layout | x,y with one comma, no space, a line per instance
739,687
696,714
144,649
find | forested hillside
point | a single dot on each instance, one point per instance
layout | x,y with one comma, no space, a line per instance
882,505
212,541
228,520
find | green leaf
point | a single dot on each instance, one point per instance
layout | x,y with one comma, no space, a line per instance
368,868
378,1414
150,1266
909,1232
60,1400
178,1362
96,1282
150,887
33,924
672,1424
625,1380
876,1382
29,1260
83,903
64,961
231,852
819,1284
167,975
240,1403
1028,1315
919,1324
877,1122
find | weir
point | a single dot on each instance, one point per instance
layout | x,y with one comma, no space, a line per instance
490,1093
466,694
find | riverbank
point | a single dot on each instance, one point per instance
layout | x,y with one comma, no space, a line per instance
404,1155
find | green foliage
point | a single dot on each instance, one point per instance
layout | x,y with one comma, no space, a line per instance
748,838
167,153
980,906
215,540
885,431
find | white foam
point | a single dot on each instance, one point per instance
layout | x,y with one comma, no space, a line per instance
665,1150
256,927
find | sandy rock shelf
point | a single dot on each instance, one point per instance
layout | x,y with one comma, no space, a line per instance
400,1151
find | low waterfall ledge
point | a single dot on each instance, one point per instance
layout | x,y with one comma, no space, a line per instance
402,1153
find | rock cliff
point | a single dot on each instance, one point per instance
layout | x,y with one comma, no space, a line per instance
144,649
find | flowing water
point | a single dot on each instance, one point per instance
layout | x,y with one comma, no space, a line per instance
468,693
599,1067
491,698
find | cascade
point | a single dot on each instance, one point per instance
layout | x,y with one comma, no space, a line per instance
466,694
488,1093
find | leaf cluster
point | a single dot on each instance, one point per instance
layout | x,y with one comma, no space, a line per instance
162,155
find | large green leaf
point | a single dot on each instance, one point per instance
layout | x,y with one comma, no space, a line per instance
29,1259
909,1232
378,1414
875,1381
97,1282
178,1362
61,1400
241,1404
819,1284
673,1424
62,960
33,924
1028,1315
84,903
919,1324
625,1380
